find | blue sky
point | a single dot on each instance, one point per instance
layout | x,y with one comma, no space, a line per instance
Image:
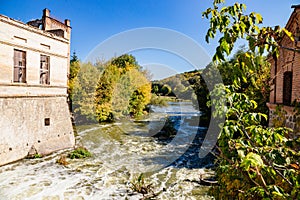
95,21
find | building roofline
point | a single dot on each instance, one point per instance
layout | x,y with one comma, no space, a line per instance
59,21
295,11
27,27
295,6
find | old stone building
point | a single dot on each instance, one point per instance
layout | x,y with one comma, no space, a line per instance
34,67
285,76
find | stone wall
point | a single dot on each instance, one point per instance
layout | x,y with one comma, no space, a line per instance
40,123
286,116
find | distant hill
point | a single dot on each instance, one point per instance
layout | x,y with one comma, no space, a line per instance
180,85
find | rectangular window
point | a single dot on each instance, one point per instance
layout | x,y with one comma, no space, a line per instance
47,121
287,87
19,66
45,70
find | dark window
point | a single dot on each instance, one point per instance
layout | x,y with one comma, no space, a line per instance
19,66
287,88
297,35
47,121
45,70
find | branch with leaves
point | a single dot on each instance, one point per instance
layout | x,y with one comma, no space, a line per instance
233,24
254,162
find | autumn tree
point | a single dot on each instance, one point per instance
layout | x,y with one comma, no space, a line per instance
122,89
74,69
83,92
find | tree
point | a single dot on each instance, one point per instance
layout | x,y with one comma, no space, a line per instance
83,93
125,60
104,93
122,89
253,162
141,96
74,69
255,82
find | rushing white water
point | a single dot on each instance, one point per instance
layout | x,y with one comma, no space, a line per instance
121,151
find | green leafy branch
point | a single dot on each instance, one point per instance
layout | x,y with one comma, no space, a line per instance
233,24
254,162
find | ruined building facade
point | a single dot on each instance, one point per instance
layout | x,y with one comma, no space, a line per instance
285,77
34,68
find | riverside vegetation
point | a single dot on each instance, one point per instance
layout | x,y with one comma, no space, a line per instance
254,162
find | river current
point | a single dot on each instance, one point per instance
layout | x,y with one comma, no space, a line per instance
121,152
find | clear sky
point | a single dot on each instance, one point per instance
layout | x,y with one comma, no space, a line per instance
95,21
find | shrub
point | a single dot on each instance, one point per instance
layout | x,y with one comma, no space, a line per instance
79,152
158,101
255,162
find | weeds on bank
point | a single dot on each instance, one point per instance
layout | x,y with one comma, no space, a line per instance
138,185
35,156
62,160
79,152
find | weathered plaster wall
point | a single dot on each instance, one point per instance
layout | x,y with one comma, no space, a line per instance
22,125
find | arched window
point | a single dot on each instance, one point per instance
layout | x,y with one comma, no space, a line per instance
287,87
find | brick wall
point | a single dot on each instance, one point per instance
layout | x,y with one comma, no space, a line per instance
288,61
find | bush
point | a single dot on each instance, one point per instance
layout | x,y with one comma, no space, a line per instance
79,152
255,162
158,101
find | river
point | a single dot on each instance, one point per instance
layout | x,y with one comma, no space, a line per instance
121,152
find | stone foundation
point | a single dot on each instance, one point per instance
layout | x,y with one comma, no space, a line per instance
288,118
33,125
